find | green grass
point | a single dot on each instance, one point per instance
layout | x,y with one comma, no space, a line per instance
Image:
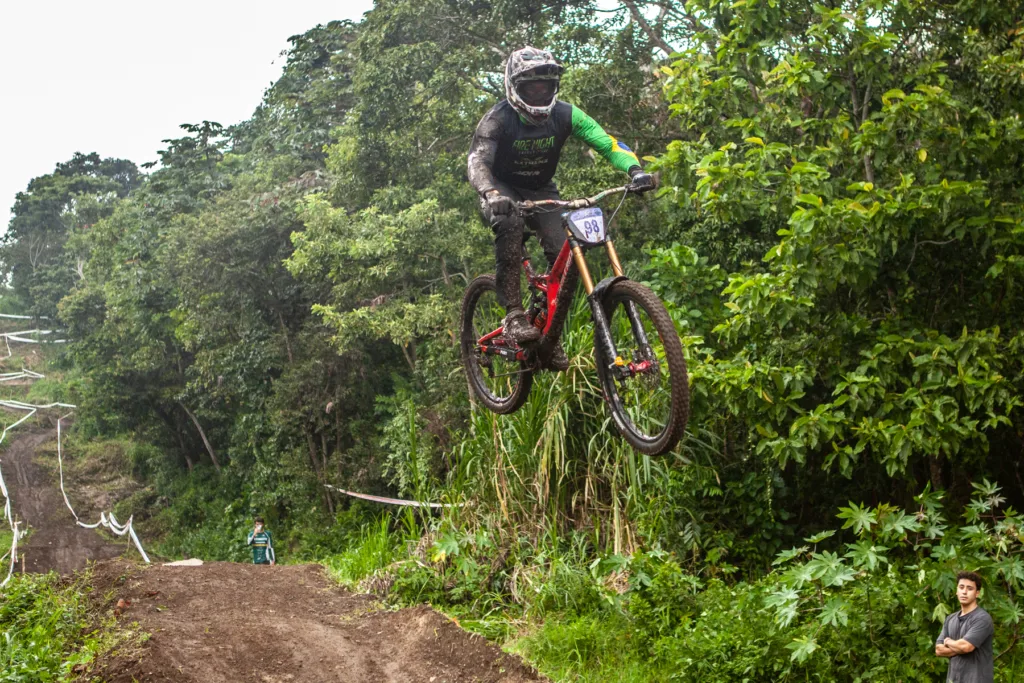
376,548
594,648
46,629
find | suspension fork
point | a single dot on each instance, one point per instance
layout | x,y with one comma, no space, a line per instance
639,333
602,331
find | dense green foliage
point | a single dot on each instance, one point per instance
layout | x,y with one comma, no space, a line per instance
839,238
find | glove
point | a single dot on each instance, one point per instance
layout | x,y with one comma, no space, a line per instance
641,181
499,204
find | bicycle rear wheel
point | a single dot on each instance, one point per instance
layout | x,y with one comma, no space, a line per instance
646,388
499,381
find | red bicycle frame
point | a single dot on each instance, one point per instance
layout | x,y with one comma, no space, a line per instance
550,284
554,283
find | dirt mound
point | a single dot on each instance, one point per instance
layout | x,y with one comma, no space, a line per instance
55,541
223,622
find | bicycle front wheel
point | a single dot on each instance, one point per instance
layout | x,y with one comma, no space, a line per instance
646,387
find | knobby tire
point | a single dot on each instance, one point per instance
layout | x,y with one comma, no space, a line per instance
502,405
679,410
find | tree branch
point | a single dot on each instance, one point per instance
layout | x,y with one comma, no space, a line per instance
410,359
206,442
653,35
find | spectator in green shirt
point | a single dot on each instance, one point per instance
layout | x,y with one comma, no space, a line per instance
262,544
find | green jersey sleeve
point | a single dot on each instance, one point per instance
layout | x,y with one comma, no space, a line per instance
590,131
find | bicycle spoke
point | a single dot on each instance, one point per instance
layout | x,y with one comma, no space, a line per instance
645,397
496,377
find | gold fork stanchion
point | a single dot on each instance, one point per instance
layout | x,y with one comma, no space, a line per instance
581,265
613,256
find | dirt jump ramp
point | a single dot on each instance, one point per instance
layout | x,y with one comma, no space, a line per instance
224,622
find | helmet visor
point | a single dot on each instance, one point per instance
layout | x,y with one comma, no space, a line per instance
539,93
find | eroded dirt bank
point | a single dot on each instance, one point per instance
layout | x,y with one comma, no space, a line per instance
55,541
224,622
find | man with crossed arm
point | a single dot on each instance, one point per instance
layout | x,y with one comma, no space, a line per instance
966,637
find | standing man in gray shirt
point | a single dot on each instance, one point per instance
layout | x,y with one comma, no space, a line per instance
966,636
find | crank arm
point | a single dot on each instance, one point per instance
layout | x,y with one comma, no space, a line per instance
492,350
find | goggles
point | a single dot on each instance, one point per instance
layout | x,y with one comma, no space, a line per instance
538,93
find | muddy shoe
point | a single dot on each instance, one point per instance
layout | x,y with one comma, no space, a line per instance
558,361
519,329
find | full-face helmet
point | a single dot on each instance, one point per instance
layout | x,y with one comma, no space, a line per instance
531,83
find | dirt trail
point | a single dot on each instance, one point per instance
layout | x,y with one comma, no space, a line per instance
224,622
55,541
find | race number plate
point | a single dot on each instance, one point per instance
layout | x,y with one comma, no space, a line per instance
588,225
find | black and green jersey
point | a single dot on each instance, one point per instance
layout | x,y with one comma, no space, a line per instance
262,547
507,150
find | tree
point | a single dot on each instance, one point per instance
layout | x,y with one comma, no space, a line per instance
53,210
879,336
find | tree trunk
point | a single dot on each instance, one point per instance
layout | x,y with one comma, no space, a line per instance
323,468
312,454
287,343
409,351
184,450
173,421
202,434
935,472
324,492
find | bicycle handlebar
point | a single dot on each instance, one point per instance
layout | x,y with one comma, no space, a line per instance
571,204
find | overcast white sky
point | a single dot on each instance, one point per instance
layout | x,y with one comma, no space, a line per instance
116,76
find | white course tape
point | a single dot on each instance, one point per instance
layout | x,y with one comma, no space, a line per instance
20,333
13,552
21,405
391,501
110,522
26,340
22,317
19,336
7,499
24,374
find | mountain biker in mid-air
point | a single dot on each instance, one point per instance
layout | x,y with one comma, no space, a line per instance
513,158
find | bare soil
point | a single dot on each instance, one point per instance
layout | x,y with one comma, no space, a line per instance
223,622
55,542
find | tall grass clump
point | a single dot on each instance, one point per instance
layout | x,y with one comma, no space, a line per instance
557,465
593,648
374,548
